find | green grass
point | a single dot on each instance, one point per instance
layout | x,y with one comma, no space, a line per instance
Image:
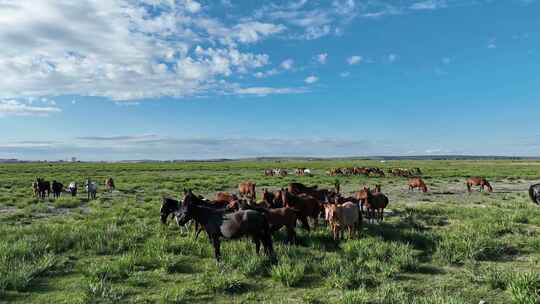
444,246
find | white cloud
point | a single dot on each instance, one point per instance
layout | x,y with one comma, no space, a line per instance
446,60
311,79
344,74
392,58
354,60
287,64
263,91
12,107
429,5
321,58
122,49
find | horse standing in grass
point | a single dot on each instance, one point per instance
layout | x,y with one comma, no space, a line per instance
307,206
478,181
73,188
534,193
417,182
91,189
57,189
109,184
343,216
219,224
247,189
375,203
43,187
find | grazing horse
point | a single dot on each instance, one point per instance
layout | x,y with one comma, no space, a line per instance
247,189
478,181
43,187
340,216
534,193
109,184
170,206
218,224
57,189
417,182
268,172
91,189
375,203
307,206
73,188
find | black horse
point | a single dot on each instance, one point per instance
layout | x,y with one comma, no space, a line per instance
218,224
170,206
43,187
57,189
534,193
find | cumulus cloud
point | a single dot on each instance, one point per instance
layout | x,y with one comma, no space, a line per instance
121,49
12,107
263,91
311,79
354,60
287,64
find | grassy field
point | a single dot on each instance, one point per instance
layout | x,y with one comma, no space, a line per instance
444,246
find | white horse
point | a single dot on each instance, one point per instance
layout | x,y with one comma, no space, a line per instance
91,189
72,188
307,172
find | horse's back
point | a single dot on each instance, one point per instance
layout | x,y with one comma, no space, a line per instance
349,213
240,223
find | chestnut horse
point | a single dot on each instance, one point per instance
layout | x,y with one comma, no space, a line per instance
478,181
247,189
417,182
109,184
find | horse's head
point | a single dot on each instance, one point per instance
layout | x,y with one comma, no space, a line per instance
168,206
184,212
488,185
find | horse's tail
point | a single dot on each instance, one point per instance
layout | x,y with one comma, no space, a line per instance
533,195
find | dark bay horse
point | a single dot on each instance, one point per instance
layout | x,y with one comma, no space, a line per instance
306,206
57,189
375,203
43,187
219,224
534,193
170,206
478,181
319,194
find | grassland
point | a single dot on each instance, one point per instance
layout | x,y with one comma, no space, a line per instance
445,246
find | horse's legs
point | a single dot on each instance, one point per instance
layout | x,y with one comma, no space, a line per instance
305,223
291,235
257,242
215,242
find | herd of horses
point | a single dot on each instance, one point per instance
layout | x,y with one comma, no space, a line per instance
232,216
42,188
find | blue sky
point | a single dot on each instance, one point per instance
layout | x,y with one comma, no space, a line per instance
186,79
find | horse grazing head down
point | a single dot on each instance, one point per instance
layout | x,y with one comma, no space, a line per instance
168,206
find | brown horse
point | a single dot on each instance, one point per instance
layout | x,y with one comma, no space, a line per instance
307,206
375,203
109,184
478,181
417,182
319,194
247,189
225,197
